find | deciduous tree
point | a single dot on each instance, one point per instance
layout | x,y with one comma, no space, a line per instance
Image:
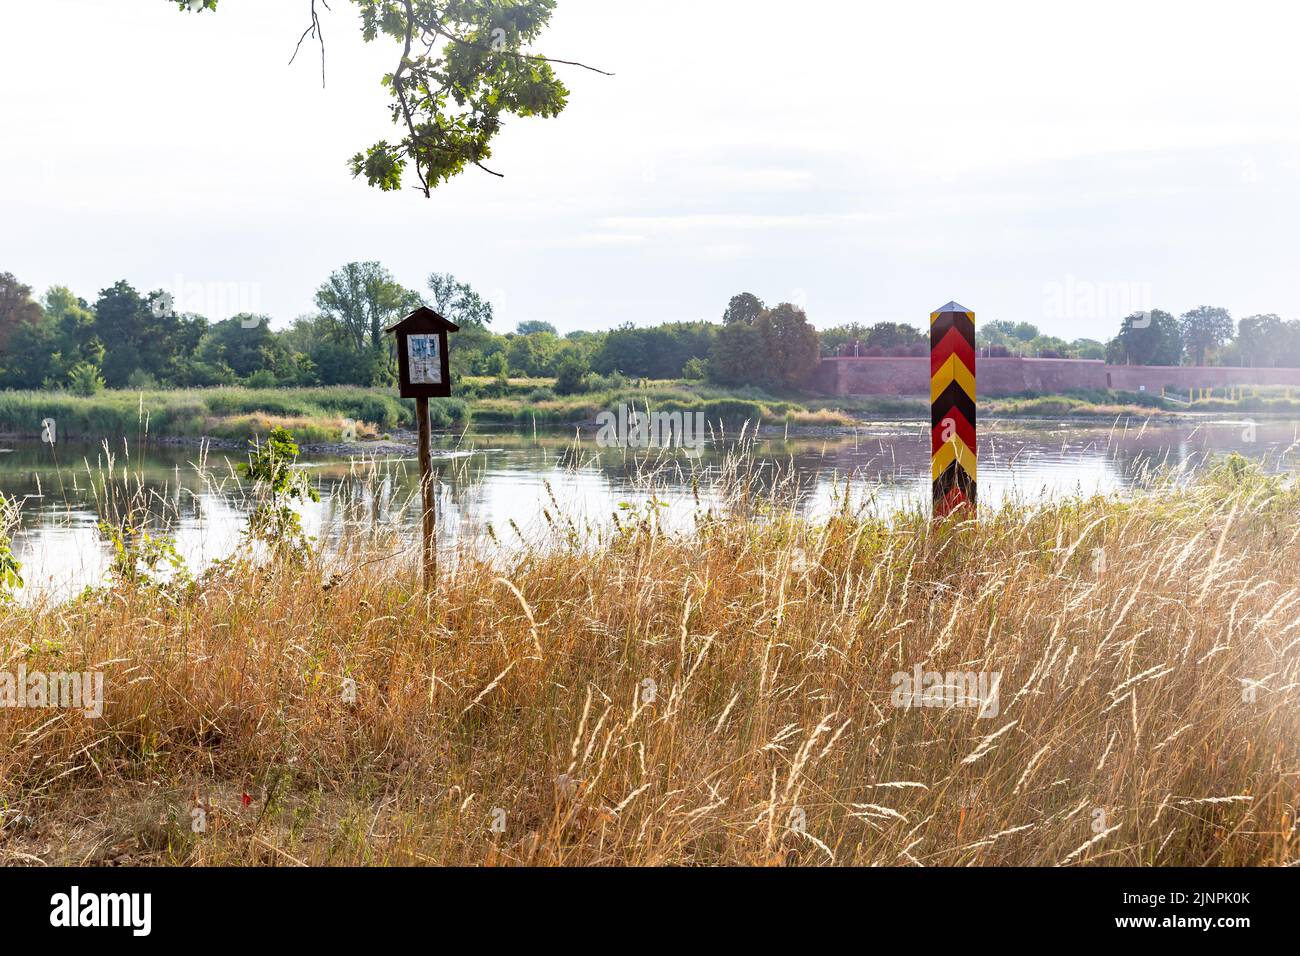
1205,327
463,66
776,347
364,298
138,332
744,307
16,307
793,351
1147,338
1259,338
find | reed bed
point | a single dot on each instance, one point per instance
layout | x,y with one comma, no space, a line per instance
726,694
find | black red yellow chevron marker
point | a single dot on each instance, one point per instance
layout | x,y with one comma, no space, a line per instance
952,408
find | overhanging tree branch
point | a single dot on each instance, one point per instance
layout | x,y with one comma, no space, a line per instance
439,29
452,95
316,32
401,93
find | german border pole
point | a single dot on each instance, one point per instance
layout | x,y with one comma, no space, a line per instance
953,443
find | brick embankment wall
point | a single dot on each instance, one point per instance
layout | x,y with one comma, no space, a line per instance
1178,377
1010,376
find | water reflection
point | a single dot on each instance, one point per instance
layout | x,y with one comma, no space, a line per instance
510,486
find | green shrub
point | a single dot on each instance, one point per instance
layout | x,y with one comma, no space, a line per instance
10,577
571,376
732,413
84,379
239,401
447,412
189,413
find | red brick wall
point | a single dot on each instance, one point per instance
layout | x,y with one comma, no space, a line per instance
1155,377
1010,376
880,376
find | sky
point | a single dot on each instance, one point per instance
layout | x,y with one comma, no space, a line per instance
1058,164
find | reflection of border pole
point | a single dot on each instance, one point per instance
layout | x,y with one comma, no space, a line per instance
952,408
428,503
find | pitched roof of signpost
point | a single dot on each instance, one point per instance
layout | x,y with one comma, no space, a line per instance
424,319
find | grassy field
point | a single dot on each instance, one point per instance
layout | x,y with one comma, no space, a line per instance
1262,401
313,414
723,696
319,415
533,401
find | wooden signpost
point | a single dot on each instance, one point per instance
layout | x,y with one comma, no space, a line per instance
952,408
424,373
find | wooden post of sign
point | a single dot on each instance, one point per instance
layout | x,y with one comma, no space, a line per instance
424,372
953,443
428,501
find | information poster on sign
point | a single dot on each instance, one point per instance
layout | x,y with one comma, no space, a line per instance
423,359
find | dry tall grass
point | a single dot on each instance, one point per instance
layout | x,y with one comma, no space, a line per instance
717,697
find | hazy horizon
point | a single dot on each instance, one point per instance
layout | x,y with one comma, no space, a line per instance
866,162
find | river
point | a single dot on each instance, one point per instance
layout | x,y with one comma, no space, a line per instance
506,486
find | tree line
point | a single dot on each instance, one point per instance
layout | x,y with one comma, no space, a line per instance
129,339
999,338
1205,335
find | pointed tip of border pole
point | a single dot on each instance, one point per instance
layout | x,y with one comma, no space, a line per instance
951,307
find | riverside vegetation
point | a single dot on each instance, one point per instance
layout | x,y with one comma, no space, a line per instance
324,415
722,695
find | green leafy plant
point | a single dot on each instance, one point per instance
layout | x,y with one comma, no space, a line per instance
695,370
139,555
273,520
10,578
499,370
571,376
84,379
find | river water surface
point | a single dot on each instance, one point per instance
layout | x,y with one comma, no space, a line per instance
507,485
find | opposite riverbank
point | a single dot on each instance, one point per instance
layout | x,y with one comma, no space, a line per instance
348,419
